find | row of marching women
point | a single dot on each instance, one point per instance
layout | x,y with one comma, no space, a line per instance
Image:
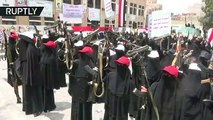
37,69
165,78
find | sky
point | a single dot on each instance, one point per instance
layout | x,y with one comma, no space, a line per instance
177,6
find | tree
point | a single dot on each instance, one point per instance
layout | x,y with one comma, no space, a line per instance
207,20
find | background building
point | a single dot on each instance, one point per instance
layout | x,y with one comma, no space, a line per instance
194,13
152,5
135,12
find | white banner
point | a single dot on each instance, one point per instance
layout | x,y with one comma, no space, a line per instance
94,14
149,26
108,9
71,20
161,23
48,7
72,11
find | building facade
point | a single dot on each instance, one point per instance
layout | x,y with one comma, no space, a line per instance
152,5
134,9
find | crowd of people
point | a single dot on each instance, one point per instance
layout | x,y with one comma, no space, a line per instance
171,80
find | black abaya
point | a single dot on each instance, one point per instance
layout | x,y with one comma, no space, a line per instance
32,85
49,76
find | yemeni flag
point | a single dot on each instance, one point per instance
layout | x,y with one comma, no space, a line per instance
121,13
210,36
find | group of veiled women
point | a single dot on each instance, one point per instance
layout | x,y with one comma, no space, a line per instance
39,71
143,87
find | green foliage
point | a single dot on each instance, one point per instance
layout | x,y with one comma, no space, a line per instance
207,20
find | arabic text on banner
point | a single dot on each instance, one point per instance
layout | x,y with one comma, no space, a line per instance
72,11
94,14
108,8
161,23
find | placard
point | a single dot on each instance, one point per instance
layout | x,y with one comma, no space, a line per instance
108,9
72,11
48,7
161,23
94,14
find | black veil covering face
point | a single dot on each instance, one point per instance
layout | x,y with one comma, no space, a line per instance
79,88
117,94
168,96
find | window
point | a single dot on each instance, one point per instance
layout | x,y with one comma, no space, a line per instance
135,9
125,8
77,24
131,10
77,2
34,23
8,17
113,7
34,18
8,22
49,18
67,1
141,10
90,3
98,4
113,22
106,21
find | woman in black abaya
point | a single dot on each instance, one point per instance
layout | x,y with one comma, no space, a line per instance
79,90
195,92
32,84
117,91
167,95
49,71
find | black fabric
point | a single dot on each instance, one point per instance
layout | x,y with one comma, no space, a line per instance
152,69
112,64
32,85
33,75
22,45
12,47
195,93
61,73
79,88
168,96
49,100
119,81
117,94
81,111
49,68
62,68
